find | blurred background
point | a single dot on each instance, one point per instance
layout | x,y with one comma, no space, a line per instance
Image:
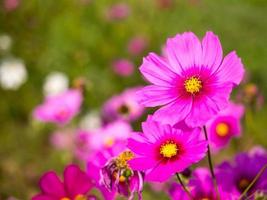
99,45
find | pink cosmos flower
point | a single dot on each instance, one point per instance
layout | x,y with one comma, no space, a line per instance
10,5
137,45
123,107
106,137
225,125
62,140
118,11
59,109
123,67
200,187
161,151
192,81
75,186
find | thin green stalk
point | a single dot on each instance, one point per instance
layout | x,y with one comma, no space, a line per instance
184,187
253,182
211,165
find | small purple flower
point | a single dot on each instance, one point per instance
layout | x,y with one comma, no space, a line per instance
59,109
225,125
123,106
201,188
235,176
123,67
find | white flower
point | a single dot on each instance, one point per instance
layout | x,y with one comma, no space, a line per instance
12,74
5,42
91,121
55,83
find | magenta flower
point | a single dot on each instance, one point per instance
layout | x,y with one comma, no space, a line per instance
192,81
236,176
112,174
123,107
75,186
123,67
161,151
200,187
225,125
137,45
59,109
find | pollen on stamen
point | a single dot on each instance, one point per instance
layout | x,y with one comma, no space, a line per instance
193,85
169,149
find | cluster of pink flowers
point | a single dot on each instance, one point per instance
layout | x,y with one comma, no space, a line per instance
190,86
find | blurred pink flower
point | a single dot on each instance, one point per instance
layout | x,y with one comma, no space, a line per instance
161,151
59,109
62,140
225,125
105,137
75,186
201,187
192,82
123,107
10,5
137,45
123,67
118,11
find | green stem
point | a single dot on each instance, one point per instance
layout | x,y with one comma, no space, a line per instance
211,165
253,181
184,187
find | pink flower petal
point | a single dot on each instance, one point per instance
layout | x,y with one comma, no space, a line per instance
50,184
173,112
44,197
142,164
153,95
212,51
184,51
202,110
141,147
231,70
160,173
76,181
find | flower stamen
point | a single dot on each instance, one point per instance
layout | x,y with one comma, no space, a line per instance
121,160
192,85
168,149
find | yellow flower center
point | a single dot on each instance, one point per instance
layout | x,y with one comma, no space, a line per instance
205,198
193,85
77,197
121,160
222,129
109,142
168,149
